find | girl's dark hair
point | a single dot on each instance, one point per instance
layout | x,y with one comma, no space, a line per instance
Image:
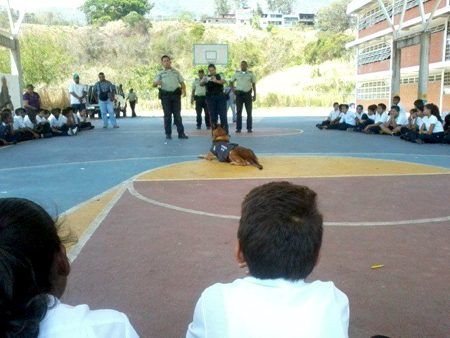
28,244
447,122
373,107
211,66
434,111
419,105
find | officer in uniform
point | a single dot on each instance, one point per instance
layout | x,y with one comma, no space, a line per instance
245,82
199,96
172,87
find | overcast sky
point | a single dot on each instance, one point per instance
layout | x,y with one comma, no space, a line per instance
32,5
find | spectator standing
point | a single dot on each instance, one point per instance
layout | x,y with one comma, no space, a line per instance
77,94
104,90
199,96
133,99
4,94
172,86
31,101
231,102
245,83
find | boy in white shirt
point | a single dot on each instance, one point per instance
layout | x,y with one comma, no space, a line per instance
333,116
396,121
367,119
381,118
279,240
82,123
23,133
347,120
396,102
58,123
72,120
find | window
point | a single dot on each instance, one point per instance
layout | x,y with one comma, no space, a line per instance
375,53
446,79
415,79
373,90
375,15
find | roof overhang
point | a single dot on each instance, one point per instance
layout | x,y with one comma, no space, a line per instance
357,5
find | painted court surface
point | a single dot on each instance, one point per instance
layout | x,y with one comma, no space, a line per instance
149,226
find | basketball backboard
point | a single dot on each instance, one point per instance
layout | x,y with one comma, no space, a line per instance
205,54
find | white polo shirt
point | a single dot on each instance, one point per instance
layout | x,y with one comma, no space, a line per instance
80,322
256,308
28,123
19,122
334,114
438,127
41,119
349,118
384,118
78,89
57,122
401,119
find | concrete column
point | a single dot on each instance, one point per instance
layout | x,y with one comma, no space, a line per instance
16,65
396,61
424,63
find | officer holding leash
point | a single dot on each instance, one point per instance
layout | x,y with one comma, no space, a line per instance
245,83
172,87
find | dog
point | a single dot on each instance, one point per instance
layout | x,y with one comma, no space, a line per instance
229,152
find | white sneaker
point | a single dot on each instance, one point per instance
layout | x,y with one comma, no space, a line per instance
75,131
70,132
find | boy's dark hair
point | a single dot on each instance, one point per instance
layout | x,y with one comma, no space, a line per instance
397,108
211,65
5,114
344,105
56,110
382,106
419,105
397,97
360,106
18,110
336,103
280,231
373,107
201,71
101,73
6,103
165,57
413,111
67,110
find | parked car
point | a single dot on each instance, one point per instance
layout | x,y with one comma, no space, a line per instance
92,107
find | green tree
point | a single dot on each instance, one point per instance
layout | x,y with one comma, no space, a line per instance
328,46
222,7
334,17
282,6
259,9
110,10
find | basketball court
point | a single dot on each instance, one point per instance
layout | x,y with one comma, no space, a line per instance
149,226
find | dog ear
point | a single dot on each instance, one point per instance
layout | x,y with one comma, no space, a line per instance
214,126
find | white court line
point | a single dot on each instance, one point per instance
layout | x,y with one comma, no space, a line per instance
76,249
233,217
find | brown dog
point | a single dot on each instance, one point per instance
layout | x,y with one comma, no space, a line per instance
229,152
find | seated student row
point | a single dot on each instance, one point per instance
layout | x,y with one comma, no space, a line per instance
279,241
424,124
22,126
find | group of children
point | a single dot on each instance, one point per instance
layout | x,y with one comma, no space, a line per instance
21,125
424,124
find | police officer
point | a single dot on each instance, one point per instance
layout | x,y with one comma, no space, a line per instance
245,82
199,96
172,87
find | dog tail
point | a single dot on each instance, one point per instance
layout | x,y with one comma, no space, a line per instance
254,161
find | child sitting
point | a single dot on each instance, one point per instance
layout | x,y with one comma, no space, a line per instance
348,120
40,125
34,270
68,113
396,122
3,129
367,119
58,123
447,129
279,240
380,118
83,124
23,133
432,130
333,116
7,127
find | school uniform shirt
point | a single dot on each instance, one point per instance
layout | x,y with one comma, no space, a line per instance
28,123
402,108
349,118
222,149
2,130
41,119
438,127
401,119
334,114
384,118
57,122
79,117
79,90
79,321
19,123
256,308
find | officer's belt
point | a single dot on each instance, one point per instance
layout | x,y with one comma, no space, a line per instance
242,93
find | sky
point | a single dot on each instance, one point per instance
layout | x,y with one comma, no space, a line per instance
33,5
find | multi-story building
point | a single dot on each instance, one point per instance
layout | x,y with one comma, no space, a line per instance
274,19
286,20
307,19
403,48
244,16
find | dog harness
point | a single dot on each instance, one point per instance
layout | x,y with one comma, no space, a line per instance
222,150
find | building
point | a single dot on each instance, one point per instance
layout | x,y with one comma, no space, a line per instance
227,19
307,19
290,20
274,19
403,48
244,16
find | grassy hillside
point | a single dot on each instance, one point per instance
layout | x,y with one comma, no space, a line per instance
130,56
